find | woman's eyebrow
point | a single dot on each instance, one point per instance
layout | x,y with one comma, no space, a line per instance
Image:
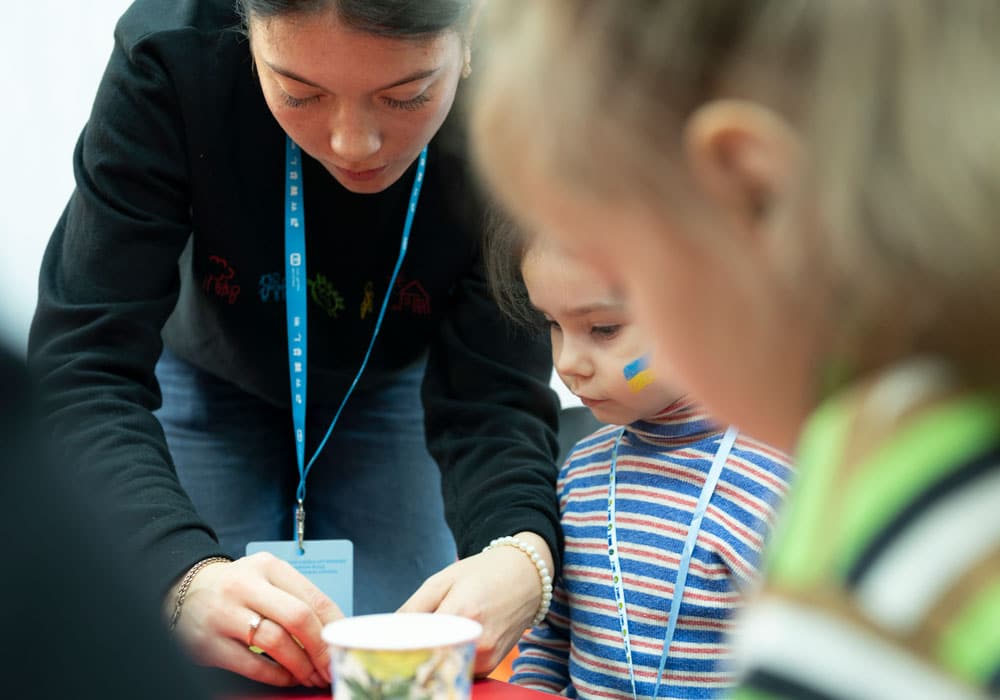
294,76
412,77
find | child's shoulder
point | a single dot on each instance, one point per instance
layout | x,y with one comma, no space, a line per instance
588,463
757,459
593,447
747,446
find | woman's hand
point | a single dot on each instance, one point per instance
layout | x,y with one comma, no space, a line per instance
499,588
223,598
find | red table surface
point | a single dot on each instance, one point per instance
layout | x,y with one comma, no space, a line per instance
481,690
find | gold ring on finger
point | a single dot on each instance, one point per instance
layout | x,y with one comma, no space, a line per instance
255,621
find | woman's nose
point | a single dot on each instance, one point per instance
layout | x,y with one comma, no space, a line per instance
354,137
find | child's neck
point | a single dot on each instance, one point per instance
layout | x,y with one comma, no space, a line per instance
676,409
682,422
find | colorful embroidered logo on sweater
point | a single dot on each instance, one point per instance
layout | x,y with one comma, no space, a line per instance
368,302
326,296
221,281
271,287
411,296
638,374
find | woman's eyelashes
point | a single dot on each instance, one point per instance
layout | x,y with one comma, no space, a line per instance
298,102
405,105
408,105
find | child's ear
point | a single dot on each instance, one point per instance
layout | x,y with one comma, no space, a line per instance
744,158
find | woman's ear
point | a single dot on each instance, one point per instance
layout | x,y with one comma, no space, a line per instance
744,159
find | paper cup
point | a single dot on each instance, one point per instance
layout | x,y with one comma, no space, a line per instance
402,656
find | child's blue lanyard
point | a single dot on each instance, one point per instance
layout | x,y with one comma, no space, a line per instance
295,311
721,456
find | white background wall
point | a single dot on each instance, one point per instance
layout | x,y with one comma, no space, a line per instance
52,55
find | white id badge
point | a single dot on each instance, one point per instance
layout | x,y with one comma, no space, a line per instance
329,564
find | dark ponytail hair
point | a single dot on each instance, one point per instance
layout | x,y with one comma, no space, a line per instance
396,19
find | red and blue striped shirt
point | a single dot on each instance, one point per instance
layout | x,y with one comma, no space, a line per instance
662,464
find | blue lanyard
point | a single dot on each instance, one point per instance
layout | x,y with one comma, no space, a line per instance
295,312
721,456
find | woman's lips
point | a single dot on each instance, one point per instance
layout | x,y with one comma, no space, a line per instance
359,175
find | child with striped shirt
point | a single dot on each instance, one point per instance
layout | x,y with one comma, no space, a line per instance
661,479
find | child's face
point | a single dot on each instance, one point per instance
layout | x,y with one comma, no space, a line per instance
716,324
593,337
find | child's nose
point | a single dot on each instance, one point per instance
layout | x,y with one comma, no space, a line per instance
572,361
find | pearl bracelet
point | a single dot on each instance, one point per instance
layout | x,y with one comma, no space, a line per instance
543,572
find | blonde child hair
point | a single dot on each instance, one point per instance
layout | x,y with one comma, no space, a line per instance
806,195
896,101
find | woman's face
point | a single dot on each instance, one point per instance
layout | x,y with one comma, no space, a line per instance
362,105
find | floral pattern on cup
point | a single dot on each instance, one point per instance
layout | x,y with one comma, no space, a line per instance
443,673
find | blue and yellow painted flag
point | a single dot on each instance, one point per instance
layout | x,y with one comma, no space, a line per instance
638,374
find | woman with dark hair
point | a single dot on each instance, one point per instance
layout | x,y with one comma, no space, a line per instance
184,312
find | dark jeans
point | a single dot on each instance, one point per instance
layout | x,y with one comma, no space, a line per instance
374,483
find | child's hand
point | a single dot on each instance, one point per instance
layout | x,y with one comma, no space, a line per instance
500,589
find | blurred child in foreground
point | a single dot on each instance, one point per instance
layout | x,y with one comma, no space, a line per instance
800,199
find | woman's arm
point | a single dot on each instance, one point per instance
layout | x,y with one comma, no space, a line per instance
108,282
491,421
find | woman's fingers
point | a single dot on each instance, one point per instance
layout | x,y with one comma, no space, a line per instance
500,589
283,575
275,640
306,610
224,600
236,657
432,592
218,634
301,610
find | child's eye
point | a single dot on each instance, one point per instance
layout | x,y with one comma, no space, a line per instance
605,332
408,105
297,102
553,325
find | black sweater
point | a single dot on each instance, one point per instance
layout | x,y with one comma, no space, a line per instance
174,235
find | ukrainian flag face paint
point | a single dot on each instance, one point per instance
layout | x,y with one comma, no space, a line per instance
638,375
